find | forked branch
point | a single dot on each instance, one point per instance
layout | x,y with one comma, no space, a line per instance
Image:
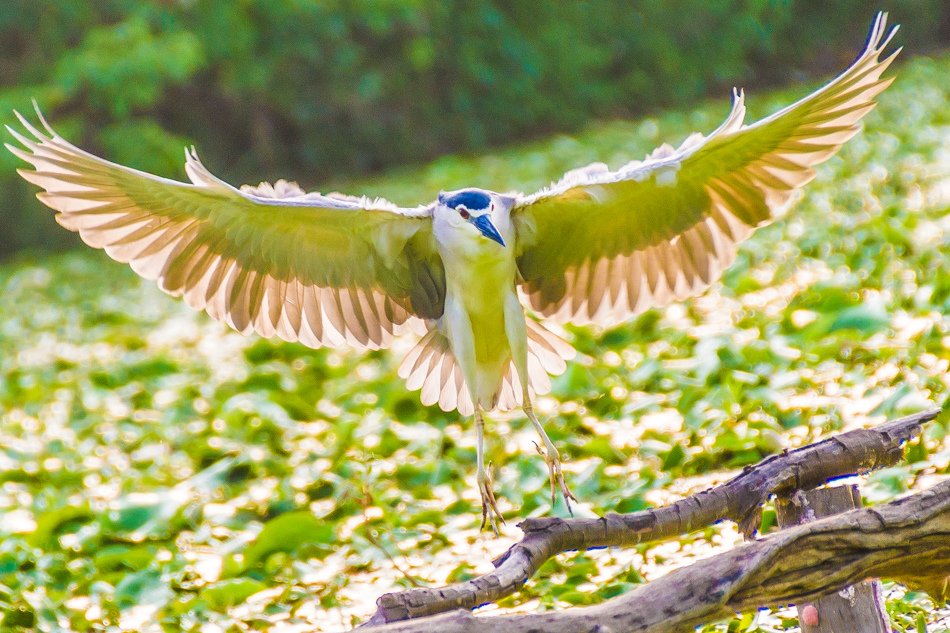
906,540
739,500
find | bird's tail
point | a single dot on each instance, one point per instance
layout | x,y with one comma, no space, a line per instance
431,367
547,356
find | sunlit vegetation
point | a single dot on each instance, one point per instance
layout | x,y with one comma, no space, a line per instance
160,472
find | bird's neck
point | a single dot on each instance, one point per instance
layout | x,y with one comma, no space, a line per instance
474,264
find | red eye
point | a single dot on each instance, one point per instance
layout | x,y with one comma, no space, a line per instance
464,213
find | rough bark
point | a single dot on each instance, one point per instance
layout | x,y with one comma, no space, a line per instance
903,540
739,500
857,608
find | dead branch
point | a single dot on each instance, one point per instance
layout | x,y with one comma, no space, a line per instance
739,500
904,540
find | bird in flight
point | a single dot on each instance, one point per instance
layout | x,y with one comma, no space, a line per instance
477,269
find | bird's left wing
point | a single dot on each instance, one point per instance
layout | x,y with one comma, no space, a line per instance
324,270
600,246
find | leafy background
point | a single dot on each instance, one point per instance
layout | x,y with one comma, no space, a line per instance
160,472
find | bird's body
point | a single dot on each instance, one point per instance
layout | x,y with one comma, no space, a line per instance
330,270
484,321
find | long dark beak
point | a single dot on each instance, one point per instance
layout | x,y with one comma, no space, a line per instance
483,223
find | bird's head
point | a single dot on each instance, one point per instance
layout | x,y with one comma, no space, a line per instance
473,207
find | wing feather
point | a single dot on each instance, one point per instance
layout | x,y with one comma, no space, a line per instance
324,270
666,227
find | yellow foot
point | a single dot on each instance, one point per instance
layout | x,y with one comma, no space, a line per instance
556,475
490,513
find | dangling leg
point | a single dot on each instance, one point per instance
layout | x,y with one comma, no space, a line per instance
490,511
517,331
551,457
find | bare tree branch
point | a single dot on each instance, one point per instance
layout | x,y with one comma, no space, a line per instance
739,500
905,540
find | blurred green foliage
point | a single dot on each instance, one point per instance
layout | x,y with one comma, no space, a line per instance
315,90
161,472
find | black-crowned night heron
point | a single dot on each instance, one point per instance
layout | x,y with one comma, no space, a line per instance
598,246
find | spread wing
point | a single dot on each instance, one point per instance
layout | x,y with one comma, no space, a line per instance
600,246
322,270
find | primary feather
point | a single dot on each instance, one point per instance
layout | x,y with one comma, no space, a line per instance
324,270
666,227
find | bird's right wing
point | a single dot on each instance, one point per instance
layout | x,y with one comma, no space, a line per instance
602,245
322,270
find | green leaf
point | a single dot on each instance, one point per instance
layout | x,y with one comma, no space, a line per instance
288,533
49,523
675,457
863,318
224,594
141,589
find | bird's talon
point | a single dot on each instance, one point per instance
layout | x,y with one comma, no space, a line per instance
490,513
556,477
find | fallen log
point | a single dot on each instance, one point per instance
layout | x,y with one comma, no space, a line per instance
739,500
